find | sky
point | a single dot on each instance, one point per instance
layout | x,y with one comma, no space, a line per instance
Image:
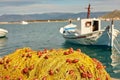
50,6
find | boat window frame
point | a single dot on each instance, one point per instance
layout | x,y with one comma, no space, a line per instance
88,24
95,25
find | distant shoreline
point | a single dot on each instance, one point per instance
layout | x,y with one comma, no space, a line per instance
33,21
60,20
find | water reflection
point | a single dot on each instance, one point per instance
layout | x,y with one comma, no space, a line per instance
3,42
109,58
115,63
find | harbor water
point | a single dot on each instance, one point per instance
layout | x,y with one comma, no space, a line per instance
46,35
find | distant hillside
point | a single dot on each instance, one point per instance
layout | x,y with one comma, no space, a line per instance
47,16
115,14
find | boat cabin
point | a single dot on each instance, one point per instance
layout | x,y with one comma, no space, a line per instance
90,25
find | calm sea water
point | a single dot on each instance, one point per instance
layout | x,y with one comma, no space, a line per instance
46,35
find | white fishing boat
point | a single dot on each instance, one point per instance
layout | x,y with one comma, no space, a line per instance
89,32
24,22
3,32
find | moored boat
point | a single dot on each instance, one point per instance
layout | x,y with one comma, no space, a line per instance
24,22
89,32
3,32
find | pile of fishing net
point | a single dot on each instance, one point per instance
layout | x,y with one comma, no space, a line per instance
54,64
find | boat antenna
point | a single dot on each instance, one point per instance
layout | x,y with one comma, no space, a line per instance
88,11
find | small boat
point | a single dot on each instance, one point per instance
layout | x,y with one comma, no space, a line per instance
24,22
3,33
89,32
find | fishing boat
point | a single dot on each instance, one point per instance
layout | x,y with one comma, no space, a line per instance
24,22
89,32
3,32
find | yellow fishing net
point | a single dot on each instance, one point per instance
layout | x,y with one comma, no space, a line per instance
54,64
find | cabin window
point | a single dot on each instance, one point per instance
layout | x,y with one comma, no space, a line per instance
88,24
95,25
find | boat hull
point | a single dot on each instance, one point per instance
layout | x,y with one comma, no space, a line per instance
96,38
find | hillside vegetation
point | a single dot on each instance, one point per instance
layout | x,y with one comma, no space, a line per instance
112,15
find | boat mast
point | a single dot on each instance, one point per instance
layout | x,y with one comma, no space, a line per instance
88,11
